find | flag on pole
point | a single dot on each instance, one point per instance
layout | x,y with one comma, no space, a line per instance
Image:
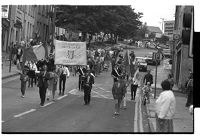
34,53
127,62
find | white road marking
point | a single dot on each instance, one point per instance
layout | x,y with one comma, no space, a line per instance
140,110
59,98
100,94
48,104
136,115
101,88
24,113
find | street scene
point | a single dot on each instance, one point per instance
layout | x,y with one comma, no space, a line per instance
96,69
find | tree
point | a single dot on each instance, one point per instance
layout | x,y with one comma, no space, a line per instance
163,39
142,31
119,21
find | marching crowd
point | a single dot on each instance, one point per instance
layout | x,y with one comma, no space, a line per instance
47,75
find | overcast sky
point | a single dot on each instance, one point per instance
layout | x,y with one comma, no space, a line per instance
153,10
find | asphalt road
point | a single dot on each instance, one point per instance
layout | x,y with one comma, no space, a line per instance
68,113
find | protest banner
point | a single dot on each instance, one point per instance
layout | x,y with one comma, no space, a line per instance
70,53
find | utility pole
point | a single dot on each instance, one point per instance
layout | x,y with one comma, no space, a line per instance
156,56
155,79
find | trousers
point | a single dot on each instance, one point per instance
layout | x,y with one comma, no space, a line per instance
42,92
133,91
87,94
62,82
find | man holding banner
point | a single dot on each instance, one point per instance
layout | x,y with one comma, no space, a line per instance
70,54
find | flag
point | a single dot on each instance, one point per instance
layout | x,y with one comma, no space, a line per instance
34,53
70,53
127,62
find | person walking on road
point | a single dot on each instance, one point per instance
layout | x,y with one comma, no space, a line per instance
64,73
135,84
171,80
118,91
148,78
165,108
89,80
43,77
24,79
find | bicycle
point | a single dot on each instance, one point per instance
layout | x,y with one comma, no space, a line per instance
145,98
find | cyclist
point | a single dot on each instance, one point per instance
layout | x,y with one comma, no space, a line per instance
146,90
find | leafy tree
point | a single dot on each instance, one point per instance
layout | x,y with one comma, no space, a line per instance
119,21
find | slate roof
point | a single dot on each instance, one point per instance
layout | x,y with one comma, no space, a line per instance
154,29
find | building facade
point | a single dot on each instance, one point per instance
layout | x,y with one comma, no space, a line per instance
169,28
180,51
5,27
25,22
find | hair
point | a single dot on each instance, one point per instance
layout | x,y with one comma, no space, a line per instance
166,85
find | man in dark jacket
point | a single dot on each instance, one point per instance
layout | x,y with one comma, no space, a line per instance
43,77
148,78
89,80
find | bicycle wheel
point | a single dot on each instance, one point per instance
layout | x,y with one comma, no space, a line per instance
144,101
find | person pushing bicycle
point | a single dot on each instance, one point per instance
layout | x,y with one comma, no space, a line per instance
146,91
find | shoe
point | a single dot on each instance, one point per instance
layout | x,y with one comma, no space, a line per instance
41,105
22,96
116,113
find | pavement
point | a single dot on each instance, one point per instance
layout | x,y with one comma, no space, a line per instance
183,121
6,67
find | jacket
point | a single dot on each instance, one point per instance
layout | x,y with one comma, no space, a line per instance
90,82
43,79
119,89
166,105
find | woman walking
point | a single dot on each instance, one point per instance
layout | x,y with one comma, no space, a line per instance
135,84
53,82
165,108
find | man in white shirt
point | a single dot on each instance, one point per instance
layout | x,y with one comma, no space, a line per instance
64,72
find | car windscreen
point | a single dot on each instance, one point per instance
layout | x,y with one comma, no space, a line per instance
141,60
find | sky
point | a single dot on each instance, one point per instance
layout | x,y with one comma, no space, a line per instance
153,10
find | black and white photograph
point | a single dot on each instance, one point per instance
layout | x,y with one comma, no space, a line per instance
98,68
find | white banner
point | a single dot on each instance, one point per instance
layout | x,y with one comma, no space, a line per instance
70,53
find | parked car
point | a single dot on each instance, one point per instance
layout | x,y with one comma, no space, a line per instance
150,60
142,64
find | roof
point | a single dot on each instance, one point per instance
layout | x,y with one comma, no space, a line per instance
154,29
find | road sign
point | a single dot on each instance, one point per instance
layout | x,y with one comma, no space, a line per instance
157,56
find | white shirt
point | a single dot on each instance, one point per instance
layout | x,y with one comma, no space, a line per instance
66,71
165,105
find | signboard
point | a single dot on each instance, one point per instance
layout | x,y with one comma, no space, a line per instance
146,35
5,11
157,56
70,53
